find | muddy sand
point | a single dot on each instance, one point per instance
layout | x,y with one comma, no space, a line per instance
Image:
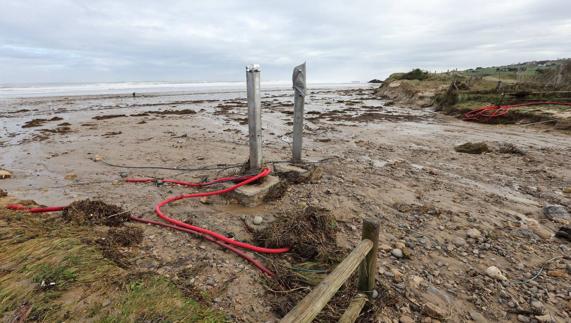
447,216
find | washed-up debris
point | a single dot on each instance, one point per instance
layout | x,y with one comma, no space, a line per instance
310,233
5,174
472,148
508,148
39,122
88,212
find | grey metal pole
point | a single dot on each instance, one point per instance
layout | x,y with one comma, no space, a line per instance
254,115
298,79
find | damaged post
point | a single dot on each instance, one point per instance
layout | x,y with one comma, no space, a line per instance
368,267
254,115
299,96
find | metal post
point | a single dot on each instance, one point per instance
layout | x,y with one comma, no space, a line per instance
254,115
299,96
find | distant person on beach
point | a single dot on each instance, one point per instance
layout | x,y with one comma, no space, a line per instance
134,94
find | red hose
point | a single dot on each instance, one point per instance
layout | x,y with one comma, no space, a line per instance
237,251
185,227
218,236
20,207
493,111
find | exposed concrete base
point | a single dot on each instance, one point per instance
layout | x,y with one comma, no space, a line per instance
298,174
253,195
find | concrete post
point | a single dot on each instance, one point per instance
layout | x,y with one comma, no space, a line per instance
299,96
254,115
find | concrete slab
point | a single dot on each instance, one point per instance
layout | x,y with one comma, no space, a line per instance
297,174
253,195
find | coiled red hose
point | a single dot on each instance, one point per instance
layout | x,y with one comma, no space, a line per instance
494,111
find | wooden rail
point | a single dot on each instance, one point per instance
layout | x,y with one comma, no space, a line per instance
364,257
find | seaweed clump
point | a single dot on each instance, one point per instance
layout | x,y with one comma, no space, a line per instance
88,212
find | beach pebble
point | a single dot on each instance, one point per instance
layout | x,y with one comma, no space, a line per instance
523,318
557,213
495,272
397,253
258,220
473,233
406,319
458,241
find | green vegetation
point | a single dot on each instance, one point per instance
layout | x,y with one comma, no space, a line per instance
415,74
457,92
49,271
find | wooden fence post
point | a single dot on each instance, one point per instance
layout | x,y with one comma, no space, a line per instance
368,268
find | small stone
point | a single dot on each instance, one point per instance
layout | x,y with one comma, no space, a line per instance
5,174
405,319
537,305
495,272
397,275
473,233
557,273
459,242
434,311
557,213
3,193
397,253
477,317
523,318
258,220
567,190
374,294
98,157
385,247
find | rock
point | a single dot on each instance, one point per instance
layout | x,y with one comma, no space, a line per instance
5,174
385,247
3,193
557,213
567,190
473,233
459,242
98,157
523,318
557,273
434,311
405,319
477,317
539,230
397,253
375,81
537,305
258,220
397,275
472,148
495,272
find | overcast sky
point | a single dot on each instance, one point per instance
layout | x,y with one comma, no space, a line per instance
140,40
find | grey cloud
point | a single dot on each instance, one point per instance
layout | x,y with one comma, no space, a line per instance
66,40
